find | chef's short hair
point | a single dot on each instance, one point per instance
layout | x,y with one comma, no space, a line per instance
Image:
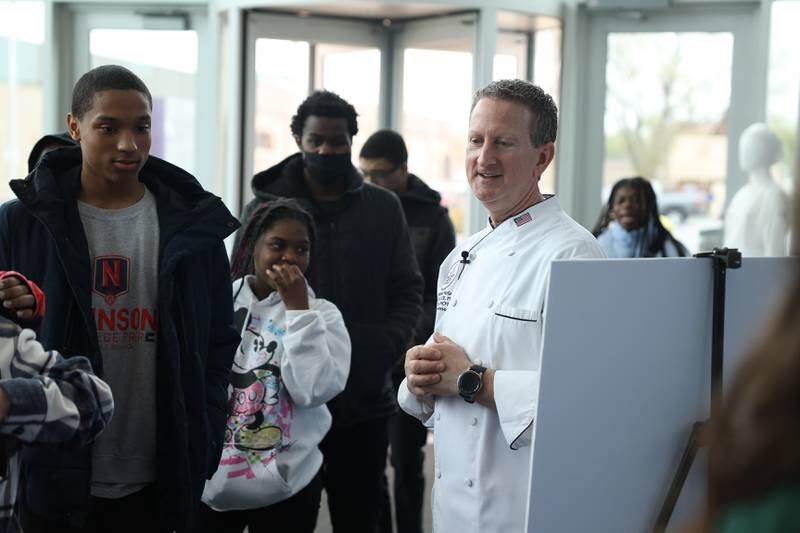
544,125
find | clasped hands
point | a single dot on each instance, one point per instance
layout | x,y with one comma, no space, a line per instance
433,369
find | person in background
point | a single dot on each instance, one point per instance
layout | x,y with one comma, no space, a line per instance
294,357
363,262
44,398
630,224
384,161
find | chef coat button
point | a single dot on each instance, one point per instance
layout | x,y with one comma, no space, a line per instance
491,304
439,475
438,416
474,421
468,483
511,253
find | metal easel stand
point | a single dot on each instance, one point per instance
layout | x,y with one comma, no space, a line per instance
722,259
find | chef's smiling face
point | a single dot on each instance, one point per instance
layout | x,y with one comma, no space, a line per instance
503,165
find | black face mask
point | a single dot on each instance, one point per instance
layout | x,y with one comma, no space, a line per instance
325,169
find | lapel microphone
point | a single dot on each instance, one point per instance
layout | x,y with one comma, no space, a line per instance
464,262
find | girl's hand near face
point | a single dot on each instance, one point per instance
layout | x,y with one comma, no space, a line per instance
291,285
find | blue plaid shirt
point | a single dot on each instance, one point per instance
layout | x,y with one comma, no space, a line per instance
52,400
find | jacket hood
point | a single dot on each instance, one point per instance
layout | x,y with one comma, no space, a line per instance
418,191
56,180
286,179
55,141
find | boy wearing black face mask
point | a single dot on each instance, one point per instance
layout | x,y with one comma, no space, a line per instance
364,263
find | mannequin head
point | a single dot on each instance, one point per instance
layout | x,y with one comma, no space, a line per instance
759,148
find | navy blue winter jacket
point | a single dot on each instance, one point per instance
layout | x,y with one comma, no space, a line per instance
41,234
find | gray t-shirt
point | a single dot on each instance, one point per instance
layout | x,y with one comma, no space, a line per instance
123,250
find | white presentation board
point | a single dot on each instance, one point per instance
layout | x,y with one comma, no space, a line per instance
625,374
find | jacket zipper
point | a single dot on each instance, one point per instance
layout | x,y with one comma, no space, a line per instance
68,322
182,329
98,364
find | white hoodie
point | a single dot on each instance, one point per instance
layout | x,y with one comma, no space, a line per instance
289,364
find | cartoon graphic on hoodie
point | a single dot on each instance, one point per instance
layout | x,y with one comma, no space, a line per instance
259,424
289,365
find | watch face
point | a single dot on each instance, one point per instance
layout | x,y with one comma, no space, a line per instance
469,382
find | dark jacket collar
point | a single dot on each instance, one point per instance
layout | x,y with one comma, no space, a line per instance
418,191
286,180
56,140
183,204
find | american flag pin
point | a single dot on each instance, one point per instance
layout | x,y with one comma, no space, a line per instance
523,219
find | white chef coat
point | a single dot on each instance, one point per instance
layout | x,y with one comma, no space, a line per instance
493,308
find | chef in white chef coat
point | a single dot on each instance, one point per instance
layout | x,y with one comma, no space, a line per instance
476,380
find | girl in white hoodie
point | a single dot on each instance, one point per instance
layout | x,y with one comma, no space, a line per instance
293,358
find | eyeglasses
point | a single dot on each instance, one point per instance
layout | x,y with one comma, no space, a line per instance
379,174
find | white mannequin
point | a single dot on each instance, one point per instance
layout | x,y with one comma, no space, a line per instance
758,217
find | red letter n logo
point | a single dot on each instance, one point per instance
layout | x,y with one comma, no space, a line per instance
111,270
111,276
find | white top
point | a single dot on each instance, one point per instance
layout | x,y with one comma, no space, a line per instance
493,307
288,365
758,219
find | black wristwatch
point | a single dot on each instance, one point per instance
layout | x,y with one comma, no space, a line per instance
471,382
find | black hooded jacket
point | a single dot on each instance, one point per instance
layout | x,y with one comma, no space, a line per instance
41,234
434,237
56,140
363,262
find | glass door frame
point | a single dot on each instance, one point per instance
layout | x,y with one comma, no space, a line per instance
439,32
427,32
479,28
748,87
482,33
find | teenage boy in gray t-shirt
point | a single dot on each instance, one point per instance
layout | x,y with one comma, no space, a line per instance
130,251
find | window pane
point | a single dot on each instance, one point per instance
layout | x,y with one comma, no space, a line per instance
224,119
282,81
21,99
354,73
437,87
167,62
547,75
783,91
667,99
512,53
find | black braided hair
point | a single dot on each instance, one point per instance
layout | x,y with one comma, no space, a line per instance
261,220
654,234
